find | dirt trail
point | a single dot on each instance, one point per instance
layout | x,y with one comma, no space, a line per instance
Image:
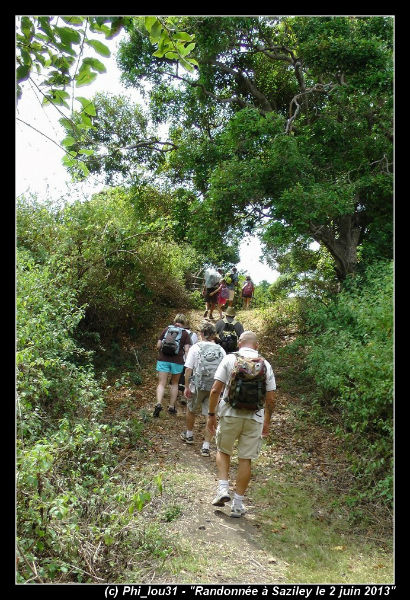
220,549
217,542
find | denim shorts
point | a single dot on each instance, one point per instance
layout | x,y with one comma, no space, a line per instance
169,367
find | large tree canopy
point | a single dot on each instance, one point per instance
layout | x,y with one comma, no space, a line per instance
284,128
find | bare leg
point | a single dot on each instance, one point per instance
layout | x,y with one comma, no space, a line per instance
174,389
190,420
207,434
243,475
162,382
222,465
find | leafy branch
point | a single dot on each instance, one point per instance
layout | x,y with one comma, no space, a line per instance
43,46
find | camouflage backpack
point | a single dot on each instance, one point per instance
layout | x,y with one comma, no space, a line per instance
247,384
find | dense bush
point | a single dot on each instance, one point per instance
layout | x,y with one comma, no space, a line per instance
350,357
50,382
73,509
261,297
122,262
77,263
286,315
68,528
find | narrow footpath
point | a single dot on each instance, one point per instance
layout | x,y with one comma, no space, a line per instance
215,548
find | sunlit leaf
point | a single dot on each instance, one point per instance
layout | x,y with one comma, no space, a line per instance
99,47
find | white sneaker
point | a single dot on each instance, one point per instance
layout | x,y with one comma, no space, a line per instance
237,511
222,496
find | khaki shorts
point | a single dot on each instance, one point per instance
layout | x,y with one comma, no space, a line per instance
198,402
248,432
231,294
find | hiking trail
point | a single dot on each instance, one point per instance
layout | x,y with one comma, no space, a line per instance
215,542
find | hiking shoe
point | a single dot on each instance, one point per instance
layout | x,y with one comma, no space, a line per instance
205,452
172,410
183,401
222,496
188,440
157,410
237,511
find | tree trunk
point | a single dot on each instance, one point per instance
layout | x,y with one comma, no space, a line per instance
341,239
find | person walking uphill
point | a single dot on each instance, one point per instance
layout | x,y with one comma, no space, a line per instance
228,330
211,284
173,342
231,279
193,338
247,382
200,366
248,289
222,294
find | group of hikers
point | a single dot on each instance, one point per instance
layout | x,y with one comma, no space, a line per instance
222,375
219,290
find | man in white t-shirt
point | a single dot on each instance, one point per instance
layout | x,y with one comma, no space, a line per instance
246,426
201,363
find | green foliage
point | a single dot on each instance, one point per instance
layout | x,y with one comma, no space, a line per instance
305,273
116,142
119,251
172,44
66,458
286,127
53,47
261,298
101,266
197,299
284,315
354,46
49,379
171,513
282,286
350,358
65,492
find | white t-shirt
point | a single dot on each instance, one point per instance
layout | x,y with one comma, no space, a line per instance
223,373
193,337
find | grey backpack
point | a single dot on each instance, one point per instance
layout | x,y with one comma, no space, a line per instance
210,355
171,341
212,278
